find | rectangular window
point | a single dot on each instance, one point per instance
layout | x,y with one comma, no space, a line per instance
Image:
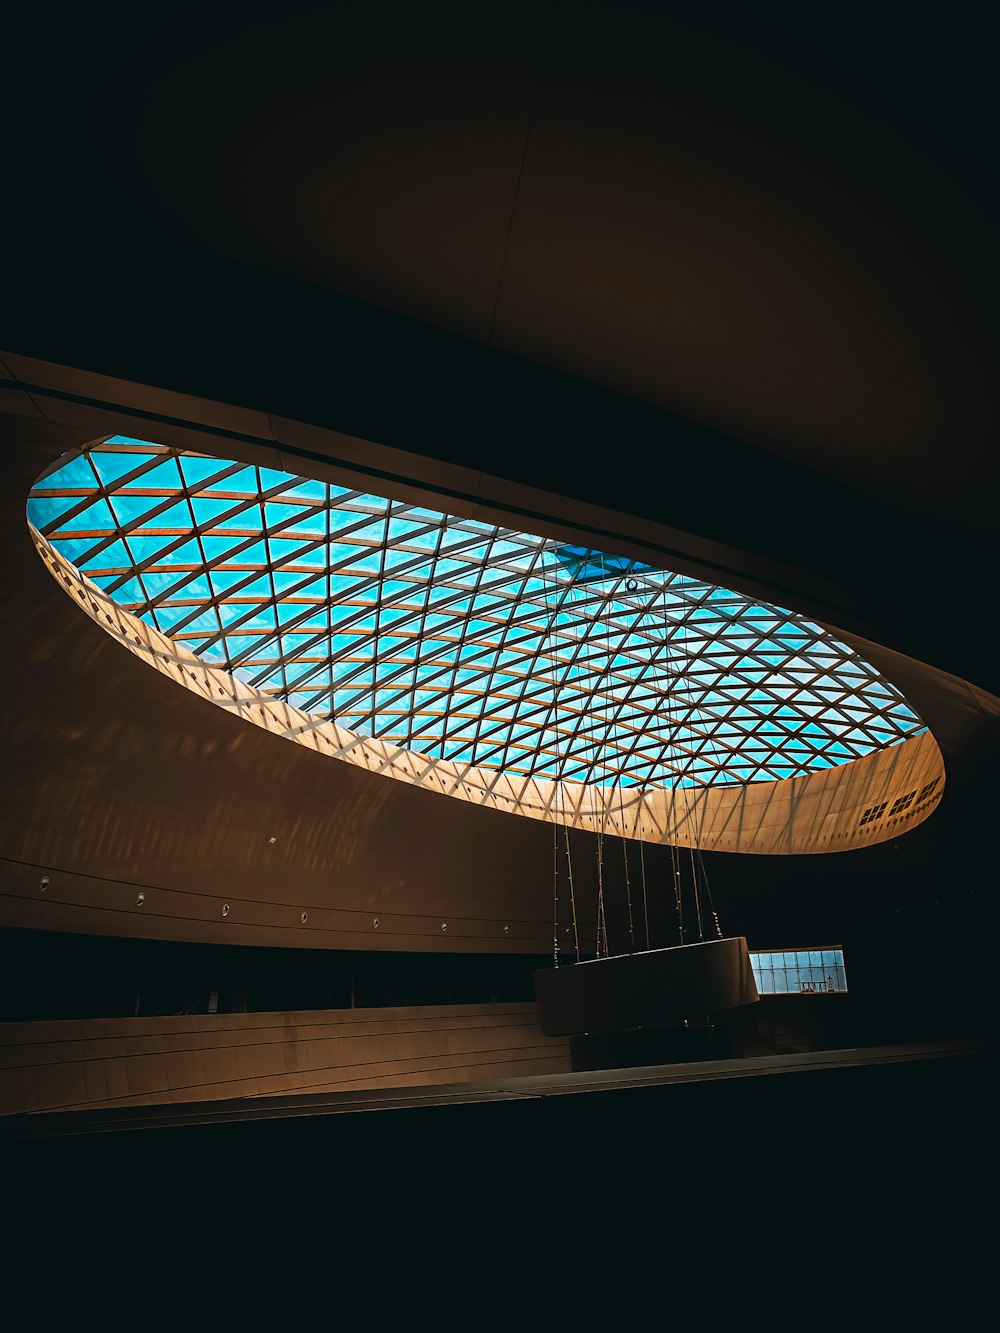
800,971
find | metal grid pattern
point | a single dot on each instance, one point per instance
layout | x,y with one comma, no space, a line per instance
460,639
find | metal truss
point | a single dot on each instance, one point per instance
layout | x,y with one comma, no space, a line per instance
459,639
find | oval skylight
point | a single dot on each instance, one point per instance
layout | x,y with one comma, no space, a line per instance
458,639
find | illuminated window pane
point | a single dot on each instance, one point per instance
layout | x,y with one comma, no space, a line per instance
794,972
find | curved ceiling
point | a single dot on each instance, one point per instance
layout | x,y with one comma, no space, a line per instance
458,639
780,224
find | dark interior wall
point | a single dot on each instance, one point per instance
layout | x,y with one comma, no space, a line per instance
104,279
46,975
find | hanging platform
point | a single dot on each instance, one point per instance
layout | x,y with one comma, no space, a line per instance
638,990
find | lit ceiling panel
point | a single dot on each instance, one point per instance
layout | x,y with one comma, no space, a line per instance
460,639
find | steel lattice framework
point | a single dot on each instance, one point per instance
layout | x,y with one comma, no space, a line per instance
459,639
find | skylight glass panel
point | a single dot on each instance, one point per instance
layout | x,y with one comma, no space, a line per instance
458,638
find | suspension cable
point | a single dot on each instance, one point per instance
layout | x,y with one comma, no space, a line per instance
678,896
645,903
555,895
711,904
628,886
572,895
602,923
697,896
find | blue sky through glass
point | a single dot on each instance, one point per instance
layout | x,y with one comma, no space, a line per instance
800,971
461,639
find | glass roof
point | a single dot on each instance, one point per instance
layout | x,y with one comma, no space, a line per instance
460,639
